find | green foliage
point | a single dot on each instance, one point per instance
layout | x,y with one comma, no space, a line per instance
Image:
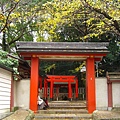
63,68
89,18
18,21
112,61
49,68
56,20
8,61
60,67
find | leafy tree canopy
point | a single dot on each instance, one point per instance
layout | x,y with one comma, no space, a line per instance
60,20
91,18
18,21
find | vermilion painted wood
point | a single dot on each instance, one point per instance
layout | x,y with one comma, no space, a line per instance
45,88
63,54
40,80
76,88
69,90
110,102
66,85
27,58
109,85
96,59
63,78
49,80
90,85
34,83
57,91
51,89
90,82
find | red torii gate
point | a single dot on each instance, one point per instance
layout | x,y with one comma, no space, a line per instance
75,51
58,78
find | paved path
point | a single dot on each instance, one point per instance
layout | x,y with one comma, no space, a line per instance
106,115
20,115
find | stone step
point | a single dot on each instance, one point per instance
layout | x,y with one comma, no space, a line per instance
63,119
67,103
63,116
63,111
67,107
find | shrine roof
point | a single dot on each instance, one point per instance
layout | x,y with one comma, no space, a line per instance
64,47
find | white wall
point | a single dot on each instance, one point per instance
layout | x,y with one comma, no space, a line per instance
116,94
101,93
22,93
5,90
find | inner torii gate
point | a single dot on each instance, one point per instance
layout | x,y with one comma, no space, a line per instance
75,51
60,79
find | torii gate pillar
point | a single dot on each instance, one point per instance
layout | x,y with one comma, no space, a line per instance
90,85
34,83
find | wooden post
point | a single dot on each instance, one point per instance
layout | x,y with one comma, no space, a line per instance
90,85
34,83
76,88
45,88
40,80
110,102
57,92
51,90
70,91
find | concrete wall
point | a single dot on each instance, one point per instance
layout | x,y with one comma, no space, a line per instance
5,90
116,94
101,93
22,93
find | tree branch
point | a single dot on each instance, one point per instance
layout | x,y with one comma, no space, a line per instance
23,29
105,14
6,23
